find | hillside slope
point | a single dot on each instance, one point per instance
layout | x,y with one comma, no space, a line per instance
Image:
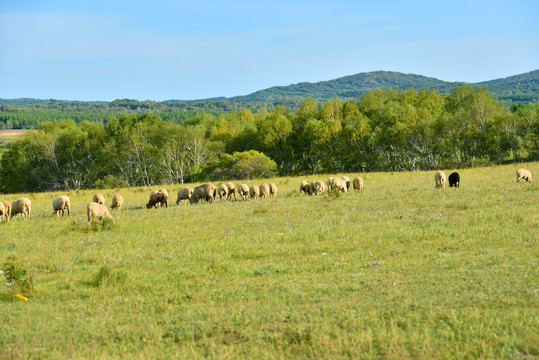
522,87
348,86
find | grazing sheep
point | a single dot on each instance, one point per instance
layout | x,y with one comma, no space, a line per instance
319,187
358,183
60,204
254,191
454,179
158,197
7,205
305,187
2,211
222,191
340,184
21,206
165,193
273,189
96,210
99,198
329,183
184,194
243,190
264,190
311,188
524,174
231,190
204,191
439,178
117,202
164,199
347,181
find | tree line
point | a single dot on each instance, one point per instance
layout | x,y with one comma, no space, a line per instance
384,130
30,113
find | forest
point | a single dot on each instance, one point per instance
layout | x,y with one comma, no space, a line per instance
28,113
383,130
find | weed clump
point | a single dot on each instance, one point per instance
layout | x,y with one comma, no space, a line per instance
105,225
105,275
17,278
335,192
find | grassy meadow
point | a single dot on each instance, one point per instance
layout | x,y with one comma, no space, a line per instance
8,136
401,270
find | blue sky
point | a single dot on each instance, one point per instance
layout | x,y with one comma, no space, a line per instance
160,50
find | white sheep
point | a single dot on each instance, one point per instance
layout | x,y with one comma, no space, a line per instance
305,187
96,210
264,190
524,174
7,213
329,183
243,190
61,203
273,189
21,206
358,183
254,191
347,181
2,211
319,187
184,194
338,183
222,191
204,192
231,190
117,202
439,179
99,198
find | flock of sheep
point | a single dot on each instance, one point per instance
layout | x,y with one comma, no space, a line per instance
208,192
333,183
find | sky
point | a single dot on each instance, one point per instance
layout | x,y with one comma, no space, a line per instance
189,49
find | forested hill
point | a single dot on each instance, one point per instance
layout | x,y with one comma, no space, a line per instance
518,88
350,86
523,87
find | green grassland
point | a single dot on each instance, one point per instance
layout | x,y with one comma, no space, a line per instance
401,270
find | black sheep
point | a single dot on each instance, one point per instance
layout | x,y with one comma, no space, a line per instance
454,179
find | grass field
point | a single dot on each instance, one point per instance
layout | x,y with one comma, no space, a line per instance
399,271
8,136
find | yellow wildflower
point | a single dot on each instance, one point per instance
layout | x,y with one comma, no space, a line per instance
19,296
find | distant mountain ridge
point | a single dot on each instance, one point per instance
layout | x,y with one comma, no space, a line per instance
522,87
517,88
350,86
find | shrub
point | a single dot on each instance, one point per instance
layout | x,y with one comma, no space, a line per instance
245,165
109,182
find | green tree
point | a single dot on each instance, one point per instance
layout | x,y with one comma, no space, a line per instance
245,165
